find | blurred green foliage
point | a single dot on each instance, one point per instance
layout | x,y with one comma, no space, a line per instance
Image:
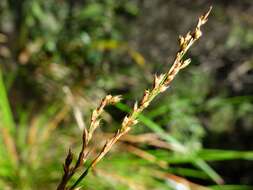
48,46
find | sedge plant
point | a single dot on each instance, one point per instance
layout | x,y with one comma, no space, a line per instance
160,84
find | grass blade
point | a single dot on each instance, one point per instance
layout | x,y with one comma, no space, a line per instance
177,146
5,109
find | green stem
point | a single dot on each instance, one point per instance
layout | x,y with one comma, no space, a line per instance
84,174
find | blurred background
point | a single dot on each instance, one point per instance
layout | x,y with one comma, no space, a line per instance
58,58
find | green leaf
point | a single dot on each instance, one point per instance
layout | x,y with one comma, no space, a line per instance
176,145
5,109
231,187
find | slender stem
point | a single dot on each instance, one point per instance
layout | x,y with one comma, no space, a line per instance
84,174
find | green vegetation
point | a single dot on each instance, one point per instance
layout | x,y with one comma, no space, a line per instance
59,58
